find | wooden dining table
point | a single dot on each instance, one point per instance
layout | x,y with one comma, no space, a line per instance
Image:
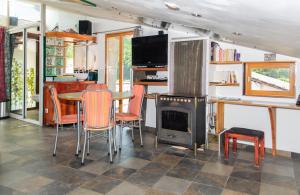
76,96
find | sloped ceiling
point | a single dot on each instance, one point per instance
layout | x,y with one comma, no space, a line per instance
272,25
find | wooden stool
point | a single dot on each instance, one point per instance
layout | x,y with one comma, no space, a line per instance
248,135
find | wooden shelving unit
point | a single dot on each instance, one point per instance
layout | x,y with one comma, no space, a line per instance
224,84
71,37
150,69
151,83
226,62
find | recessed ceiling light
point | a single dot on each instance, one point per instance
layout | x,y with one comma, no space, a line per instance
237,33
171,6
196,15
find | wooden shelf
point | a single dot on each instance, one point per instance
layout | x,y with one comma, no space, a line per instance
150,95
71,37
150,69
151,83
224,84
55,66
226,62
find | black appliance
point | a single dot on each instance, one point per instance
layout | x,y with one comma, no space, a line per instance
180,120
85,27
150,50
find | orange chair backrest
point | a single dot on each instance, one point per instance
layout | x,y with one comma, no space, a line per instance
135,103
56,103
97,86
97,107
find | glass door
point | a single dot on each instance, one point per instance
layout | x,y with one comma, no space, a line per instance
24,102
118,64
32,74
17,74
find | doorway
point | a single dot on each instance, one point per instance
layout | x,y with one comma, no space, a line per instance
24,102
118,64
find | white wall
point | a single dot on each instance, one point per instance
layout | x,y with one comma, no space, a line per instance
258,117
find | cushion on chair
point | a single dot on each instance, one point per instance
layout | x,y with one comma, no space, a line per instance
244,131
126,117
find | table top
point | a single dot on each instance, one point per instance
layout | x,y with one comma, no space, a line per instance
76,96
257,103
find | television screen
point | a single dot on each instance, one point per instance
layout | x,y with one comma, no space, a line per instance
150,50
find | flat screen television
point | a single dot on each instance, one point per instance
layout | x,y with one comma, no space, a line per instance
150,51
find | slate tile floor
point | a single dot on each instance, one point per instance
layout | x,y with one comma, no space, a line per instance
28,167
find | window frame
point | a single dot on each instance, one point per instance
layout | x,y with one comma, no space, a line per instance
272,64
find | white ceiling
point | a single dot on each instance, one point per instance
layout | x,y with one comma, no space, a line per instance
272,25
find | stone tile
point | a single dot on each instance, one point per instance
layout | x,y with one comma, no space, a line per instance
155,167
7,157
31,184
205,155
67,175
243,185
172,184
9,191
230,192
211,179
97,167
167,159
246,173
76,163
55,188
144,178
126,188
277,180
101,184
196,188
217,168
266,189
12,177
119,172
186,169
143,154
278,170
152,191
177,151
134,163
81,191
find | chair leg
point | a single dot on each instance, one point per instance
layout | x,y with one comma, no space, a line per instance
55,143
88,143
132,134
114,137
110,144
140,127
262,148
234,145
121,132
84,145
256,152
226,146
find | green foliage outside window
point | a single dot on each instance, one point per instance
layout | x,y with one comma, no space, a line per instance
277,73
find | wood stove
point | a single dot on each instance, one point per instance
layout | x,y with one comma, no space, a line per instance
181,120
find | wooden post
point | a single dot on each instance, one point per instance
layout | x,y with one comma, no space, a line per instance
272,114
220,117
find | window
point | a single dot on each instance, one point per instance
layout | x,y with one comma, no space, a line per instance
274,79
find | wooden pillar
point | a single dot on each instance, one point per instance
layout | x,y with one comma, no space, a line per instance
272,114
220,117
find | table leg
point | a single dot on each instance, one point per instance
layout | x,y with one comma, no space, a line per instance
114,129
272,114
78,128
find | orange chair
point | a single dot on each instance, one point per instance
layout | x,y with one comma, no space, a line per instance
97,86
58,117
97,109
134,113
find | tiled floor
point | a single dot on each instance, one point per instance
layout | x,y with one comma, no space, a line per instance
27,167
